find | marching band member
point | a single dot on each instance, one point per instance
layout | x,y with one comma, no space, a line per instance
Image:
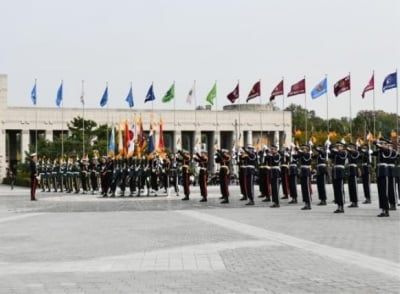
304,157
353,158
242,173
365,158
338,160
275,159
391,161
184,160
249,163
285,159
264,173
293,173
223,158
202,160
173,173
322,172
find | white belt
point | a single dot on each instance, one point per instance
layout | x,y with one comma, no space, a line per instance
322,164
353,164
391,164
275,167
382,164
305,166
338,166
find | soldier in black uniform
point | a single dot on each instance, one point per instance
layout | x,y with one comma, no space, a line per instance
391,161
123,176
202,160
250,160
365,159
33,175
285,159
322,172
275,161
184,160
84,170
293,173
93,170
132,175
353,156
242,174
338,155
173,173
383,154
304,157
223,158
107,172
264,174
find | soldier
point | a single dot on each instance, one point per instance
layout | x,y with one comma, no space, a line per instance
250,159
202,160
184,161
48,175
365,159
353,158
285,159
132,175
322,172
115,176
33,175
69,176
304,157
54,174
41,169
154,168
264,175
339,156
383,154
223,158
107,173
293,173
76,172
391,161
173,173
84,174
123,176
275,161
242,173
164,172
93,170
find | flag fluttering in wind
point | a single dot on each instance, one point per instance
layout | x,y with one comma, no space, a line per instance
33,94
150,142
191,95
320,89
278,90
129,98
169,95
342,85
59,97
111,144
120,140
131,144
104,98
150,95
234,95
160,144
298,88
141,134
212,94
370,86
390,82
127,138
82,98
255,91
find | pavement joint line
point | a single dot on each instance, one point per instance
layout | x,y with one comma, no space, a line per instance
187,260
341,255
18,217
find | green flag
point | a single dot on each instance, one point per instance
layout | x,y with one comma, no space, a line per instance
212,95
169,95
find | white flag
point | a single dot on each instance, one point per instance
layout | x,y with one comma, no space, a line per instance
190,95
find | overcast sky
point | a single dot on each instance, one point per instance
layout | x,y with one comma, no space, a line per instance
147,41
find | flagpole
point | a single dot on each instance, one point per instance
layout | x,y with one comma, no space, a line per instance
327,107
216,116
351,130
36,118
283,109
108,119
195,114
397,115
373,104
175,109
305,107
83,119
261,128
62,124
152,101
240,132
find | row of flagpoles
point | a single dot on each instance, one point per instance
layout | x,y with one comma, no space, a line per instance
321,88
341,86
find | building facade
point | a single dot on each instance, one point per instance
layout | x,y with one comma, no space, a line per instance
235,125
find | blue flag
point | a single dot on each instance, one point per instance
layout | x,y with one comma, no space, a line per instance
129,98
320,89
104,99
111,144
33,94
59,95
390,82
150,95
150,142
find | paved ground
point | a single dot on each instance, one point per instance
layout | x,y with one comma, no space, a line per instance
86,244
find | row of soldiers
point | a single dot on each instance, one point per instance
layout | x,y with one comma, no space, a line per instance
272,167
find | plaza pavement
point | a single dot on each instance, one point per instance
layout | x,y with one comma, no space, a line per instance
68,243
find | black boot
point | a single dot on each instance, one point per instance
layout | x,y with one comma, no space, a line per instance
226,200
244,198
322,203
185,198
204,199
293,201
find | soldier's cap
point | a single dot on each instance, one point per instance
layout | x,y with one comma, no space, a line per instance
305,146
384,140
274,147
33,154
351,145
338,143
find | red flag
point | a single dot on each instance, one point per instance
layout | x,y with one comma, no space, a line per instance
298,88
141,134
234,95
278,90
127,138
255,91
161,138
370,86
342,85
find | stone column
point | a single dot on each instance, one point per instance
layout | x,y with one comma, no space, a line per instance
2,153
249,138
24,144
197,140
177,141
49,135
